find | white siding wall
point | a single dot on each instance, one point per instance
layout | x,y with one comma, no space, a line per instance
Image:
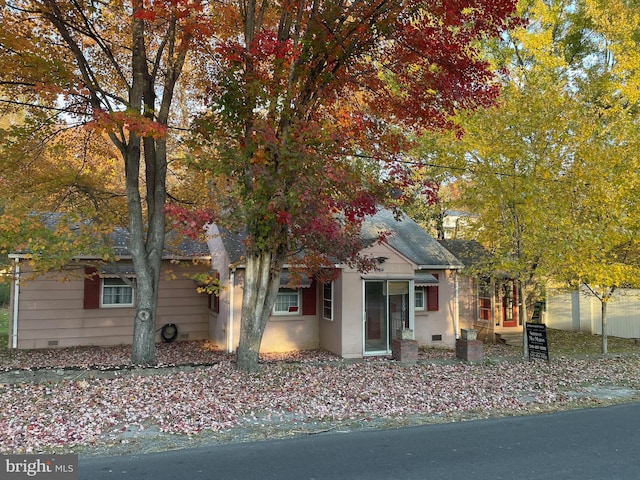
578,311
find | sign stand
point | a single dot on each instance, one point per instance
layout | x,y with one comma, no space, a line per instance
537,341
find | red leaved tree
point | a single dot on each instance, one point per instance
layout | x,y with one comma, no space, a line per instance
312,110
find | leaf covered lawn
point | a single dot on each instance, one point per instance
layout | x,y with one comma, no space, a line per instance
298,388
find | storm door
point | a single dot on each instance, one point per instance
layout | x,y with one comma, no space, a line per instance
387,308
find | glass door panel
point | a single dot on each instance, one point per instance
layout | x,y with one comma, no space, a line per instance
375,326
398,307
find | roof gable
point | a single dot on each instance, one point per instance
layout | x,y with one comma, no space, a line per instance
406,237
410,240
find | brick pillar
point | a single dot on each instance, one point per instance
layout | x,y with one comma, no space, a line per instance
469,350
405,351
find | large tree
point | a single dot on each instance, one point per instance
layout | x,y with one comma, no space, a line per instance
509,162
543,169
313,106
114,69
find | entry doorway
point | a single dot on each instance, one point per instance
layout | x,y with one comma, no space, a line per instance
508,295
388,306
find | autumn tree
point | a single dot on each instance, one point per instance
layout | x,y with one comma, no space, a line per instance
113,69
61,185
313,109
603,253
543,168
507,163
602,250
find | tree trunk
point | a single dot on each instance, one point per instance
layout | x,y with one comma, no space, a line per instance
147,244
146,251
603,311
523,312
261,284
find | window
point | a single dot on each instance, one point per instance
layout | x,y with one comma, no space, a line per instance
116,293
327,301
419,298
214,302
484,302
287,302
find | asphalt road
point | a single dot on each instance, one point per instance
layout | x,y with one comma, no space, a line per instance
597,444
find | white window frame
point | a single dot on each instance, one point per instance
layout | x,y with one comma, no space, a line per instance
288,292
419,292
326,300
124,284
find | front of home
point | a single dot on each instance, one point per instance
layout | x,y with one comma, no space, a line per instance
356,315
419,288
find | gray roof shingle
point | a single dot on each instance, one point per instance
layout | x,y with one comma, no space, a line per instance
470,252
410,240
175,246
406,237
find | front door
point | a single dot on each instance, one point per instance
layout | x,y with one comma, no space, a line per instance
387,308
509,305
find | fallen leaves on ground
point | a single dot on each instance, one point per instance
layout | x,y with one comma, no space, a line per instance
180,353
297,388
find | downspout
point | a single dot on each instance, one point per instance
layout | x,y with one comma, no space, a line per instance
456,311
16,304
232,278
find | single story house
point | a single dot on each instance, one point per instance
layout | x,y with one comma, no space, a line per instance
358,314
419,285
91,303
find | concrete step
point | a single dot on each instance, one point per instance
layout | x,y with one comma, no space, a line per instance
512,339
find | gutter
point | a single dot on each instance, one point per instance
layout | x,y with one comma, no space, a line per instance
440,267
16,303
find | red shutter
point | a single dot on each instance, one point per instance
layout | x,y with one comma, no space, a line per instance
91,288
309,299
433,294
